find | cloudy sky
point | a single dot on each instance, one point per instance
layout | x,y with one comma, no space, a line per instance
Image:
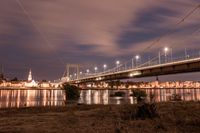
44,35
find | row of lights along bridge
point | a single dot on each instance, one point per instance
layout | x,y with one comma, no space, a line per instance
136,59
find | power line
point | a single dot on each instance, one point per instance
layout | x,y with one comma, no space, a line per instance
169,31
38,29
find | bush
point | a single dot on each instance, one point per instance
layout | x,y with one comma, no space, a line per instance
72,91
139,94
147,111
141,111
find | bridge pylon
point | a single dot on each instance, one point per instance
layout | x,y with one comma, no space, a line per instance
75,67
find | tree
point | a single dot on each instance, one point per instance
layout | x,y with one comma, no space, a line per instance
72,91
139,94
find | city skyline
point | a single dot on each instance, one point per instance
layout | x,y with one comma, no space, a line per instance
46,35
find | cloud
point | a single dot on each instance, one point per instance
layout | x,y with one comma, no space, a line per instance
90,30
96,23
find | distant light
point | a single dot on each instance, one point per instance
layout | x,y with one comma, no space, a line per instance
136,73
74,74
81,72
104,66
117,62
166,49
87,70
131,75
99,78
95,68
137,57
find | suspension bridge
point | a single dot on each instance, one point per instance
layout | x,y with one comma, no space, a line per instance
163,64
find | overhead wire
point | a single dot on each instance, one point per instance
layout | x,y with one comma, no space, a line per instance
38,29
169,31
188,14
143,51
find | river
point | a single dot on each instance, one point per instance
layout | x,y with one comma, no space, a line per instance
39,97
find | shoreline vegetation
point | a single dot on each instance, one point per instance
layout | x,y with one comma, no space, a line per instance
172,117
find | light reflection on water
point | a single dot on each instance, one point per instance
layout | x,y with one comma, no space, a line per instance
163,95
32,98
103,97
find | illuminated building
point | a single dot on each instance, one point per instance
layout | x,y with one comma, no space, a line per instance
30,82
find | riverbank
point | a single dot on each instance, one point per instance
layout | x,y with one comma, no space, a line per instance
173,117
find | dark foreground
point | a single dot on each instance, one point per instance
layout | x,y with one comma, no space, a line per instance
173,118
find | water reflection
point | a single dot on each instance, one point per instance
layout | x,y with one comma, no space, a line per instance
163,95
103,97
30,98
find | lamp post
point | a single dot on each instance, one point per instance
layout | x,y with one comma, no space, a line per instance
166,49
117,63
104,67
171,54
186,53
159,60
137,57
95,69
132,62
81,73
87,71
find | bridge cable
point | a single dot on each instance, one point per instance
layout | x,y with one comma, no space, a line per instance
169,31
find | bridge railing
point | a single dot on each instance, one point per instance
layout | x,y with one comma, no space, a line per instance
130,65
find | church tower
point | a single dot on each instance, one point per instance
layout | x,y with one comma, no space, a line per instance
30,76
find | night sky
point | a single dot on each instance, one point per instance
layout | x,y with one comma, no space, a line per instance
44,35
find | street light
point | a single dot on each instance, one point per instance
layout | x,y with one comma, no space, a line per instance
75,75
117,63
166,49
87,70
137,57
95,68
104,67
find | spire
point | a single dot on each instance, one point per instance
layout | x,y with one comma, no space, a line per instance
30,76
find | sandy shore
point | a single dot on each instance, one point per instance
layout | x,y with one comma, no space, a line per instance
173,117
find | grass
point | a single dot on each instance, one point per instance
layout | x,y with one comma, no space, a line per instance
174,117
